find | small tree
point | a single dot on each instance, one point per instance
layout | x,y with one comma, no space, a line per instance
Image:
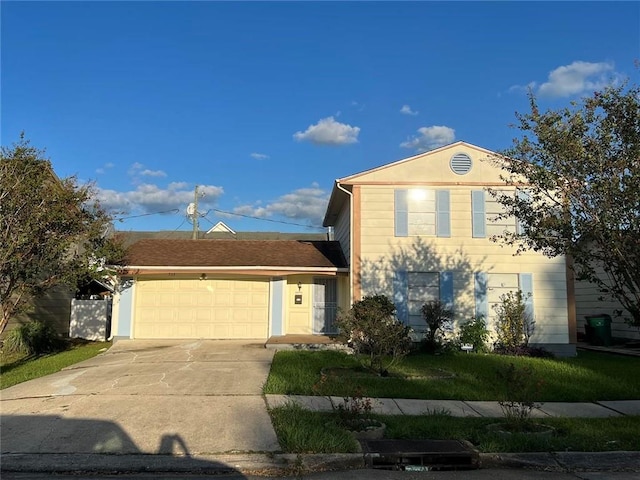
437,316
521,390
514,324
370,326
52,232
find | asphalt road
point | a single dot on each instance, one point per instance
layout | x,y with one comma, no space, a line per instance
489,474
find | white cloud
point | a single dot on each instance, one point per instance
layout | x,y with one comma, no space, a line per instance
259,156
137,170
153,173
430,138
573,79
406,110
329,132
104,168
576,78
149,198
304,204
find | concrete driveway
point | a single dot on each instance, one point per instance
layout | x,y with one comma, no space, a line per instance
168,397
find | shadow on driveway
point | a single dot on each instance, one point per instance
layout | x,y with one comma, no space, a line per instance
57,444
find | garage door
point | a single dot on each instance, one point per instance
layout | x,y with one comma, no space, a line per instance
213,308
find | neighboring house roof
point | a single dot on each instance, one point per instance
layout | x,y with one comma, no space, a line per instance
131,237
257,254
221,227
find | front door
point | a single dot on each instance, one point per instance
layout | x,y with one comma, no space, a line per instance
325,305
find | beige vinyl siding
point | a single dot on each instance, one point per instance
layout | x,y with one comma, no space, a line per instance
382,253
52,306
588,303
342,230
299,318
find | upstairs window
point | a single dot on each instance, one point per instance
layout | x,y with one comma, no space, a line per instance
422,212
485,212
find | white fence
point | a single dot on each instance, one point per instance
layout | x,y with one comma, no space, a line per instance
90,319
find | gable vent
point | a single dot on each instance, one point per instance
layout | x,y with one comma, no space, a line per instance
460,163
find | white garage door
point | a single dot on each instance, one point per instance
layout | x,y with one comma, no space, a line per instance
212,308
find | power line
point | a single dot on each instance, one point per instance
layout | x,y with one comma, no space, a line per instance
174,210
259,218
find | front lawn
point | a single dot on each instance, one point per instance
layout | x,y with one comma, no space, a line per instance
589,377
17,368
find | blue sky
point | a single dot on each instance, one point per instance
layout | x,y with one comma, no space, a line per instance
265,104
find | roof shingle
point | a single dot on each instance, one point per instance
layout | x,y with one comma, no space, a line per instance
236,253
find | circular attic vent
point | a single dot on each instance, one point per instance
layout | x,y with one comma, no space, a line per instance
460,163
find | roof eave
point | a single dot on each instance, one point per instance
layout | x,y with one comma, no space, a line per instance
336,201
128,269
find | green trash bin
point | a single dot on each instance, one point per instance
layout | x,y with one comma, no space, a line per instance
599,329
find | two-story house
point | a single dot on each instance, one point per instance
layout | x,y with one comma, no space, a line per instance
421,228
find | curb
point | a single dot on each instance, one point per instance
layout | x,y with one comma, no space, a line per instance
621,461
295,464
249,463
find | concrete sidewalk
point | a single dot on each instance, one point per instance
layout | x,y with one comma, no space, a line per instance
459,408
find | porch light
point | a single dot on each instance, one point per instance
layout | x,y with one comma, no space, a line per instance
299,286
203,276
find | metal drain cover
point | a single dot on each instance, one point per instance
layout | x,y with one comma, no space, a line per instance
420,455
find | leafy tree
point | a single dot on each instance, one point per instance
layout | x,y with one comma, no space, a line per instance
52,232
577,174
370,326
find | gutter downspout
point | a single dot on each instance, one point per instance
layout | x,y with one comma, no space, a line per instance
350,240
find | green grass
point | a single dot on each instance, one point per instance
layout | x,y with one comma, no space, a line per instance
302,431
17,368
571,434
588,377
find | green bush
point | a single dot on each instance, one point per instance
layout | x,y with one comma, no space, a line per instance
514,325
437,317
370,327
33,338
475,332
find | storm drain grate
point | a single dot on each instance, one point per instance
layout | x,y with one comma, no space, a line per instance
420,455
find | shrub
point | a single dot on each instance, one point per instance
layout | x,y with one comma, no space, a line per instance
437,316
370,327
33,338
521,388
474,332
514,324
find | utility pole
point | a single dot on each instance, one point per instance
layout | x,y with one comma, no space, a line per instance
195,213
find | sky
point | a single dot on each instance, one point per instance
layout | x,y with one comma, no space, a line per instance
265,104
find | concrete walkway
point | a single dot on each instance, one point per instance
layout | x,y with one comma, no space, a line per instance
458,408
